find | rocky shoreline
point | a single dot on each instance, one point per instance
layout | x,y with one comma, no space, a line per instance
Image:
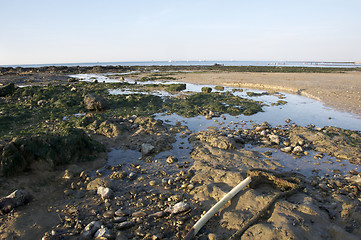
146,195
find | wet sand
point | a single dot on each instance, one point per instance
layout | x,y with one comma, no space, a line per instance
341,91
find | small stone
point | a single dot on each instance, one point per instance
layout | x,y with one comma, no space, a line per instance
152,183
353,172
159,214
132,176
288,120
103,233
297,150
274,139
118,175
286,149
108,214
104,192
119,219
178,208
139,214
125,225
90,229
171,159
286,143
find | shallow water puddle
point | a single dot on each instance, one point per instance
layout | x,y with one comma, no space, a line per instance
308,165
301,110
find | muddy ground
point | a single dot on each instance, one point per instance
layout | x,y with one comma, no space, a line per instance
133,198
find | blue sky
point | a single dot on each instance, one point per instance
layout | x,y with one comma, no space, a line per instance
65,31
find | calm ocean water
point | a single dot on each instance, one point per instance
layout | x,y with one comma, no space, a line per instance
202,63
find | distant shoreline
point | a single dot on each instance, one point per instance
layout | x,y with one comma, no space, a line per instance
347,64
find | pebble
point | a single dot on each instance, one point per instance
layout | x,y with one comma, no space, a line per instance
119,219
132,176
108,214
297,149
90,229
102,233
286,149
125,225
152,183
190,186
104,192
171,159
159,214
178,208
139,214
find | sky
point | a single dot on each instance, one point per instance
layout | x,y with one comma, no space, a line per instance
75,31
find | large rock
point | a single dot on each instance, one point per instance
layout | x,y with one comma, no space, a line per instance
7,90
93,101
15,199
98,182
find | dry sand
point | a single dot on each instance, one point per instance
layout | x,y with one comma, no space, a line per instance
341,91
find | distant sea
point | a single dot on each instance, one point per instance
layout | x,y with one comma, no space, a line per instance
202,63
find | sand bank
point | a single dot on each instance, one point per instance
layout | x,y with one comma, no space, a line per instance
337,90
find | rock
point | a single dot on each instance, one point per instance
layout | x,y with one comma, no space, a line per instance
178,208
105,193
353,172
132,176
206,90
212,236
139,214
152,183
7,90
171,159
288,120
159,214
90,229
119,219
118,175
102,233
147,149
71,172
286,149
15,199
98,182
297,150
108,214
274,139
125,225
93,101
109,129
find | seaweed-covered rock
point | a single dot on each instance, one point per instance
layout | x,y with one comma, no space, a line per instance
45,152
93,101
206,89
7,90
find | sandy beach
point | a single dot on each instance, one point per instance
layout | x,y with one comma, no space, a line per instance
341,91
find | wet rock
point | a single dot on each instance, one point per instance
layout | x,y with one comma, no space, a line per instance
152,183
118,175
297,150
71,172
13,200
178,208
105,193
274,139
109,129
125,225
353,172
108,214
132,176
139,214
90,230
103,233
159,214
119,219
206,90
286,149
288,120
147,149
7,90
212,236
171,159
98,182
93,101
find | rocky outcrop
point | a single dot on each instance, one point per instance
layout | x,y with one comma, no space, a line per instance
7,90
95,102
45,152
